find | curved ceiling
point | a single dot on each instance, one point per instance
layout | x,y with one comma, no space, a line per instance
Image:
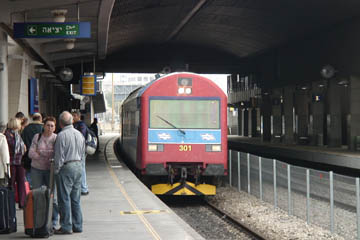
236,28
204,35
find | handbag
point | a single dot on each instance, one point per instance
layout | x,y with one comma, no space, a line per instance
26,161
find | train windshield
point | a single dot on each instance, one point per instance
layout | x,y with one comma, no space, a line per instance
196,114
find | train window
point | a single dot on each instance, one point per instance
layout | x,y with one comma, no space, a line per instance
195,114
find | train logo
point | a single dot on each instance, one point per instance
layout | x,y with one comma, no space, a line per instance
164,136
207,137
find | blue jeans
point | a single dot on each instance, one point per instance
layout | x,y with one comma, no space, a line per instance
42,177
68,182
84,186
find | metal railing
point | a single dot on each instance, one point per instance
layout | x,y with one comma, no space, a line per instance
322,198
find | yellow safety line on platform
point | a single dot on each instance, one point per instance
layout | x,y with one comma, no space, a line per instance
131,202
143,212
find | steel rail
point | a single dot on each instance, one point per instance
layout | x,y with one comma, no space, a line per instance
238,222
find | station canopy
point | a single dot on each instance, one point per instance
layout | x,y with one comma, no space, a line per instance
147,35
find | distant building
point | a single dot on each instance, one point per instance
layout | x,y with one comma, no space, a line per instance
125,83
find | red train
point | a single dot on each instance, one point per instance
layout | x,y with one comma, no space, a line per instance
174,131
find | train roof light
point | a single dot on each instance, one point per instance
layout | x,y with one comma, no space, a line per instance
185,81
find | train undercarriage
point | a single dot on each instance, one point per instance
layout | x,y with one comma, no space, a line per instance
185,179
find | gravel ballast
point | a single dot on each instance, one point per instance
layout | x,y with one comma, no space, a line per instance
264,218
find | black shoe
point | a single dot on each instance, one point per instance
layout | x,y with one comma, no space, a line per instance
85,193
61,231
76,231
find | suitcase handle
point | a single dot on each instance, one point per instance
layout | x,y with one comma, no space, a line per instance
51,183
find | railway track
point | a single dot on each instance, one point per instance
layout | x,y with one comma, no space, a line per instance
242,225
208,220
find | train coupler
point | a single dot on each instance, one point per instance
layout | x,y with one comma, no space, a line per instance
183,188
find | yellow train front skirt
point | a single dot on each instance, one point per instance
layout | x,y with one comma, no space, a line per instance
184,188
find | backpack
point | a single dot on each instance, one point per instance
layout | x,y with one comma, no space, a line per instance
90,142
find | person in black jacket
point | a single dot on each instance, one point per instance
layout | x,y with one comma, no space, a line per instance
81,126
27,135
95,129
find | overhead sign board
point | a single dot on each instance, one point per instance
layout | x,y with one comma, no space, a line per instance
88,85
52,30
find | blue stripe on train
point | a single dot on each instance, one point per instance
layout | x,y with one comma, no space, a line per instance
194,136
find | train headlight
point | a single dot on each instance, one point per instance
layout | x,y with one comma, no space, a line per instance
155,148
188,90
181,90
213,148
152,147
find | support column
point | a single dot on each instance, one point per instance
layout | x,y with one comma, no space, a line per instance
258,122
253,121
334,115
302,110
266,118
246,122
240,121
18,83
289,115
354,133
250,122
317,114
276,126
4,79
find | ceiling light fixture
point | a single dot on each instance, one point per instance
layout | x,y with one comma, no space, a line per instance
70,43
59,15
343,82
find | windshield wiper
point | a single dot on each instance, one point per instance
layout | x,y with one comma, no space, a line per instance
180,130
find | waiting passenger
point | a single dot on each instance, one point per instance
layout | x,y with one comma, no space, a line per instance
41,152
81,126
27,135
4,157
20,116
24,124
17,149
95,129
69,155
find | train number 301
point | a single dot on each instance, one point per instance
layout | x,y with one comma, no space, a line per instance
184,148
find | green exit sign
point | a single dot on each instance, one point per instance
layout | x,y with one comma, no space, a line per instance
52,30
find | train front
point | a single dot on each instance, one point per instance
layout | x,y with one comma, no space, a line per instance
184,134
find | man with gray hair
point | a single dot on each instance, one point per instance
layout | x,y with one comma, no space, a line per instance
69,154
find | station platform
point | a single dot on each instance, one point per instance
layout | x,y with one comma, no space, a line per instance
119,206
320,157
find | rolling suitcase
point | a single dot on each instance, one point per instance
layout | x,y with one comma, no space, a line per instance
38,210
7,209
